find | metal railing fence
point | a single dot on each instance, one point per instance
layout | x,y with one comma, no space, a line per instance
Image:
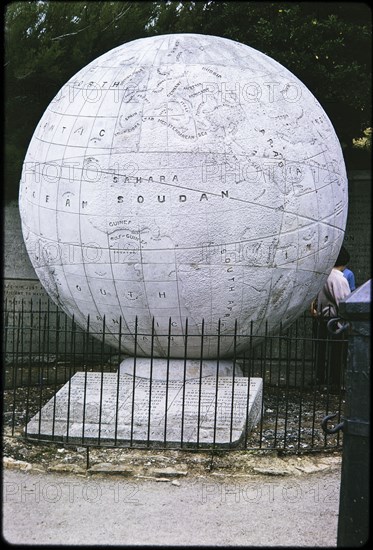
46,354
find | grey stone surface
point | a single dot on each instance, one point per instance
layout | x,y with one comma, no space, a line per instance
358,234
178,369
122,408
17,264
20,290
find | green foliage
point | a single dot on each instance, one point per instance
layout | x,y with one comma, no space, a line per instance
365,142
327,45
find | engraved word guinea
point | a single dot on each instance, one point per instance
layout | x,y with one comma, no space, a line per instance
183,177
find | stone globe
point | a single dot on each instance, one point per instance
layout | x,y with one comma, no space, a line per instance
183,185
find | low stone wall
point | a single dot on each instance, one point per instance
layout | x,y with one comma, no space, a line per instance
359,224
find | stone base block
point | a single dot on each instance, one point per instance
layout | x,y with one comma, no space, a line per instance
178,369
120,409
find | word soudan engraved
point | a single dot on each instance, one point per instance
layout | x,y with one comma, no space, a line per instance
226,157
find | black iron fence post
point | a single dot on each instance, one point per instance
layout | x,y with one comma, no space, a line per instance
353,523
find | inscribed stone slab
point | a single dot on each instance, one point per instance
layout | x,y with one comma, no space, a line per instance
114,408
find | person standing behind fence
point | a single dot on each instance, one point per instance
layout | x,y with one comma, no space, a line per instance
335,289
349,275
324,308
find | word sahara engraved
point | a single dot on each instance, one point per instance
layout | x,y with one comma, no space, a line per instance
183,177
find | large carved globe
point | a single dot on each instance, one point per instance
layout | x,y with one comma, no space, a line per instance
183,177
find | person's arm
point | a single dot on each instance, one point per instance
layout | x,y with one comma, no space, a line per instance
313,308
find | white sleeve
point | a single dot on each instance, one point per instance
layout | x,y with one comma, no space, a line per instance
339,289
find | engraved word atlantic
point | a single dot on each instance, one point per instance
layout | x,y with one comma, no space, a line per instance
183,181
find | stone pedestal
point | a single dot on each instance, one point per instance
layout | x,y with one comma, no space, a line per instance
178,369
120,409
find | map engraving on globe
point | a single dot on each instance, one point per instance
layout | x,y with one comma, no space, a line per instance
183,177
